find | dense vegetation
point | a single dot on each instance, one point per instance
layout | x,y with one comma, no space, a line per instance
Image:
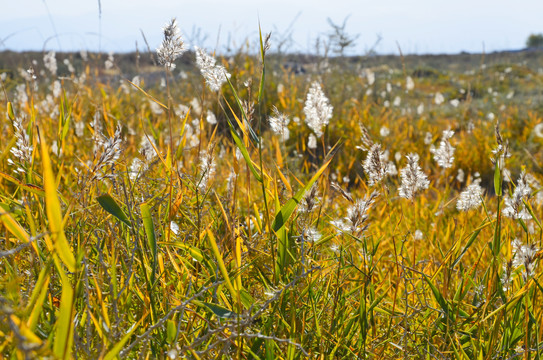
328,208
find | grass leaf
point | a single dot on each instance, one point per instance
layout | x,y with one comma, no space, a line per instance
244,152
62,345
115,350
12,225
149,228
110,205
29,187
54,214
288,208
222,267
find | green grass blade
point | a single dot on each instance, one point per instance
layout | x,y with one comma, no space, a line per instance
254,136
220,311
497,180
115,350
531,211
11,114
65,116
110,205
262,55
28,187
244,152
439,298
149,228
288,208
468,245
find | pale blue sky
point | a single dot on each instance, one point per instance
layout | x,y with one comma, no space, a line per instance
418,26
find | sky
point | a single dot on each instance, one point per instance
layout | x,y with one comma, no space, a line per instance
414,26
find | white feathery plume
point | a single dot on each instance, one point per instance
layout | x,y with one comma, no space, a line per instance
444,154
375,165
172,45
317,109
514,206
207,169
413,179
214,75
50,62
279,124
356,221
22,149
471,197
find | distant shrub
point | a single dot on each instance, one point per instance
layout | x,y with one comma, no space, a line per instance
425,72
535,41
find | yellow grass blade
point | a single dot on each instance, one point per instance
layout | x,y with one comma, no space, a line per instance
38,296
29,187
13,226
114,352
222,267
54,214
62,346
29,335
147,94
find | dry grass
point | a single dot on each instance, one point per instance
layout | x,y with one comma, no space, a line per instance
133,243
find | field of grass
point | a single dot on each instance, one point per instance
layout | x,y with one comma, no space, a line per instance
240,209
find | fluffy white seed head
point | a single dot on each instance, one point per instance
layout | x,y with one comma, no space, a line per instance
279,124
312,142
147,148
172,46
356,221
444,154
317,109
524,255
409,83
471,197
438,98
207,169
214,75
514,206
413,179
23,148
312,235
375,165
50,62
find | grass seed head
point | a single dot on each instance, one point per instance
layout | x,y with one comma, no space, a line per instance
22,149
214,75
317,109
50,62
279,124
172,46
413,179
375,165
514,206
471,197
444,154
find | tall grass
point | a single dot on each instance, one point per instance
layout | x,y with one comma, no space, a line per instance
176,219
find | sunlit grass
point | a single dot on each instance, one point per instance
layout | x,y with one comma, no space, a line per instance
168,218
